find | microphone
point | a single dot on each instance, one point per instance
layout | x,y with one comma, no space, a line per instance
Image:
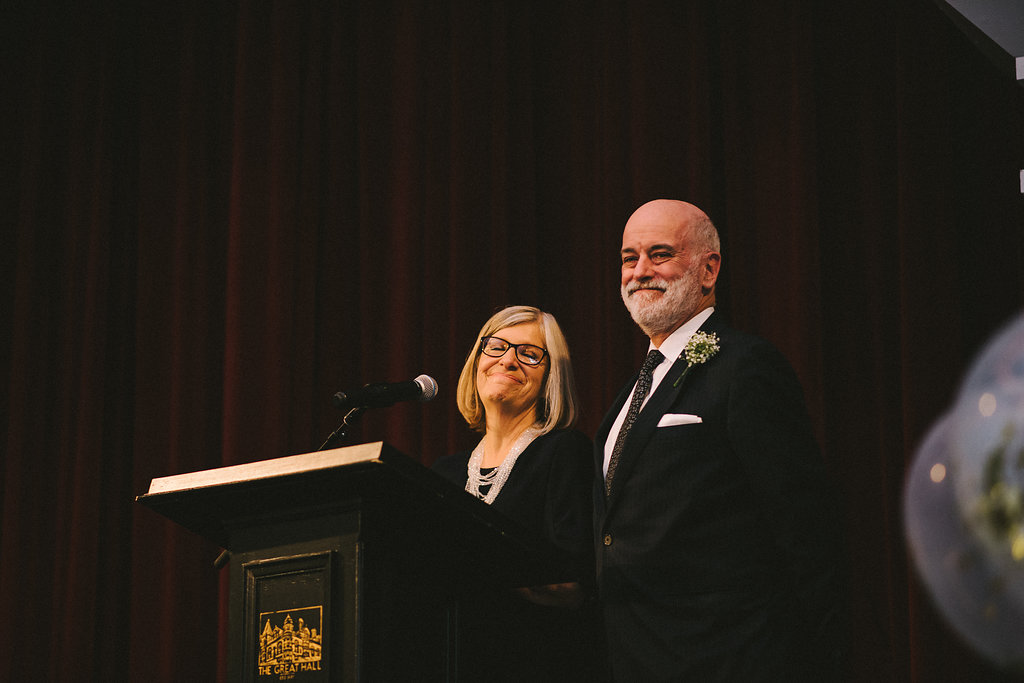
381,395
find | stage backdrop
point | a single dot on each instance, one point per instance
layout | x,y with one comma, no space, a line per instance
217,214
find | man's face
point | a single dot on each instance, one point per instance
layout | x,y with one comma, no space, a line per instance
664,278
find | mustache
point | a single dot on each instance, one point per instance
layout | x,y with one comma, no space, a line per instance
654,283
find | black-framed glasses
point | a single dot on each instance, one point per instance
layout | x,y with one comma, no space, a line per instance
528,354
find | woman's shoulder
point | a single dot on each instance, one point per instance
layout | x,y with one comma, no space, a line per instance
564,443
452,466
565,437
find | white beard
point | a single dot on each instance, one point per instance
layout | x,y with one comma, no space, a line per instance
666,312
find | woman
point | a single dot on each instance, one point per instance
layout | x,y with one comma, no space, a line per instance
517,388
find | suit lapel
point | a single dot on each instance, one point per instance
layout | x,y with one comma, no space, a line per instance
601,437
645,425
647,422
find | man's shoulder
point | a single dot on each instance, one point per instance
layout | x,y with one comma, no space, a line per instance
734,338
742,346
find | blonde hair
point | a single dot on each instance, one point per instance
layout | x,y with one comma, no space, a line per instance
558,404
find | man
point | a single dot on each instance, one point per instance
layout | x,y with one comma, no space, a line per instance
714,532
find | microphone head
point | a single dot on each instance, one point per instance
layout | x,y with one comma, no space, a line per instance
428,387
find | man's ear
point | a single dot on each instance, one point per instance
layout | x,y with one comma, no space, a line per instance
709,270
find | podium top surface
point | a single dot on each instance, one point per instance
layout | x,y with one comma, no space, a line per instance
397,497
216,502
367,453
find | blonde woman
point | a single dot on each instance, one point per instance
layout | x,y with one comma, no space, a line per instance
517,390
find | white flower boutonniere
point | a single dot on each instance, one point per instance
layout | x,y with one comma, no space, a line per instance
700,349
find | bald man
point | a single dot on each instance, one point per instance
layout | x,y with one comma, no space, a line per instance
715,540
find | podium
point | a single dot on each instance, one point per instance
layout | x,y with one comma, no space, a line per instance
350,564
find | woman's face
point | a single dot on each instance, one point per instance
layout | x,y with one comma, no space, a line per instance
506,383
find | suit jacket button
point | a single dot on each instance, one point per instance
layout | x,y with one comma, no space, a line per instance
607,539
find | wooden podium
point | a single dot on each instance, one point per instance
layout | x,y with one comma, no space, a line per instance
350,564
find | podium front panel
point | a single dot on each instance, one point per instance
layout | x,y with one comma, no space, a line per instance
295,605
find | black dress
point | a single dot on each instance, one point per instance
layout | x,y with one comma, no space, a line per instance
507,637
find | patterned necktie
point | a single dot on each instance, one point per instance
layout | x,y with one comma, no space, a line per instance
643,387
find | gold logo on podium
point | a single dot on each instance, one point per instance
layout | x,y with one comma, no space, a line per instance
291,642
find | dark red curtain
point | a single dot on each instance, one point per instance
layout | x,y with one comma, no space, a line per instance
218,214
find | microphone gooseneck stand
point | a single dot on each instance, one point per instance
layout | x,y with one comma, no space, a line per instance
336,435
342,430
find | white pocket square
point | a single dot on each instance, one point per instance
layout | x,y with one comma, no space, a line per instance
673,419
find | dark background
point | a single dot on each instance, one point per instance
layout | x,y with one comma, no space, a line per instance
217,214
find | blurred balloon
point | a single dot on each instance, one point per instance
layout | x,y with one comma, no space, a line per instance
964,504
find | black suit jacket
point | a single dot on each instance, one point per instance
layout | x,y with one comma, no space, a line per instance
715,546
